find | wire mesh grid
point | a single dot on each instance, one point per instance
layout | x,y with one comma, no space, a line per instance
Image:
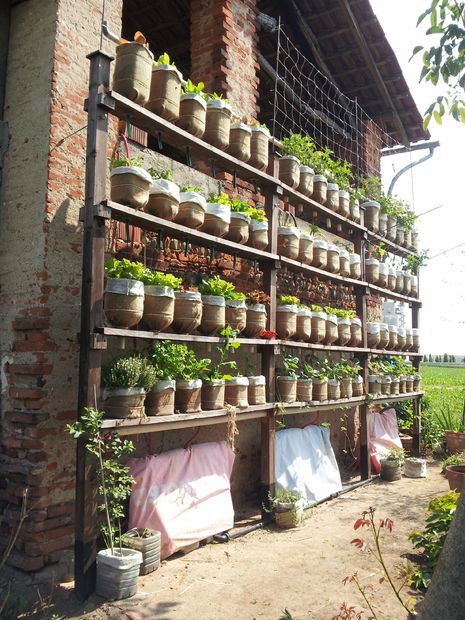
306,101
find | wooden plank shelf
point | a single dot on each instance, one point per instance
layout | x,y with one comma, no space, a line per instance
299,267
328,405
146,221
396,353
378,290
395,397
148,335
320,347
390,245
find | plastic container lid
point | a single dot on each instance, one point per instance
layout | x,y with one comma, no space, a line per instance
306,170
155,290
356,321
189,295
332,318
371,203
192,384
257,308
235,303
240,216
343,320
125,286
287,308
290,157
258,380
160,386
344,253
257,225
343,193
333,248
137,170
237,381
219,104
171,68
319,315
242,127
306,236
304,312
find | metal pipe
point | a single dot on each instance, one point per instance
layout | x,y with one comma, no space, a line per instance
409,166
227,537
398,150
108,33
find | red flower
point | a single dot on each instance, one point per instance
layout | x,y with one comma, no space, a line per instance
268,334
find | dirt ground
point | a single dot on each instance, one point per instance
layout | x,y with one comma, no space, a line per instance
268,570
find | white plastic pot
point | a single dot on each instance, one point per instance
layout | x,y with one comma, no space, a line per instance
118,574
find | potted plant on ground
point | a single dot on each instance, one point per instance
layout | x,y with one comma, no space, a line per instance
213,382
286,379
165,89
187,311
259,145
256,313
192,207
240,136
164,195
133,69
192,109
240,222
286,316
218,215
391,464
453,425
159,291
165,358
453,467
148,543
117,567
287,507
218,122
129,182
123,300
213,293
125,382
189,375
258,229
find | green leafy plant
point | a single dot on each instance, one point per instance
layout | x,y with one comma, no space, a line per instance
257,214
414,262
299,146
448,419
157,278
378,251
135,162
130,371
288,300
166,358
316,308
221,288
190,87
190,188
124,268
164,59
283,496
452,459
228,346
340,312
222,198
341,173
161,174
213,96
255,123
190,368
114,481
441,511
290,366
396,455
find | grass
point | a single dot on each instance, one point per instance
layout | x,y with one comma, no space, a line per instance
444,391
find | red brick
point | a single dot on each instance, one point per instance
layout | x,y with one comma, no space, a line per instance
18,392
56,511
54,544
24,324
30,369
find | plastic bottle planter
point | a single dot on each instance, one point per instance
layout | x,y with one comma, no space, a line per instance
391,231
187,311
414,245
118,574
414,285
409,383
320,389
304,390
334,389
332,196
401,339
355,211
289,171
408,339
240,141
236,392
416,383
160,399
383,275
407,238
192,209
383,224
256,390
383,336
259,147
357,386
255,320
124,402
213,395
188,396
287,389
286,321
402,385
236,314
192,114
258,234
343,330
305,248
394,385
165,92
355,332
320,188
158,307
392,337
130,186
372,270
133,72
218,123
371,214
332,333
318,327
217,219
320,253
385,386
213,315
344,203
163,199
146,542
392,279
238,227
416,339
344,263
355,266
306,181
288,241
304,325
289,515
333,258
400,235
123,302
372,335
374,384
407,283
399,281
390,470
415,468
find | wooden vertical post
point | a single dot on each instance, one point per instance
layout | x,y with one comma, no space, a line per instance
93,253
416,430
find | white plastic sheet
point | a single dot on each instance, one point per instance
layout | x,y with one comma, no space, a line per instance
383,435
305,462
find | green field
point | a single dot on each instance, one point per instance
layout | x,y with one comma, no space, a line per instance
444,389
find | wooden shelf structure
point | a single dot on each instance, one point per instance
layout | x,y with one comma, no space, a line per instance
98,210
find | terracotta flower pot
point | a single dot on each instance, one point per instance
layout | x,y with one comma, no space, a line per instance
320,189
455,475
287,389
238,227
187,311
304,390
130,186
192,114
158,307
320,390
371,214
289,171
286,321
236,314
256,320
123,403
256,392
160,399
192,209
259,147
305,249
163,199
133,72
213,395
355,332
218,123
240,141
306,181
213,315
320,253
188,396
258,234
332,196
236,392
165,92
123,302
318,333
455,441
304,325
288,241
217,219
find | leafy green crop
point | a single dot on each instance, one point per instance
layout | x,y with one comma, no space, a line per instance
290,366
221,288
161,174
285,300
124,268
222,198
164,59
190,87
126,161
166,358
131,371
157,278
228,346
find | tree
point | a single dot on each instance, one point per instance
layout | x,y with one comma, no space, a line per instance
445,59
451,358
438,359
445,357
430,358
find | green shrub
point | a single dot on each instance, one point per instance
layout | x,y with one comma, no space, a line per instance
131,371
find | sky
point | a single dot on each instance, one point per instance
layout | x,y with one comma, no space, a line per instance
433,183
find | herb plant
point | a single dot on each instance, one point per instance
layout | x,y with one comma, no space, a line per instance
135,162
190,87
190,368
228,346
285,300
124,268
164,59
161,174
131,371
221,288
190,188
290,366
299,146
222,198
166,357
157,278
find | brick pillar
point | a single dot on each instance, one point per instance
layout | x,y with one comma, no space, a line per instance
224,50
370,147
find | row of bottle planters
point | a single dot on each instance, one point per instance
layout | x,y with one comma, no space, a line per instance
392,338
393,385
158,88
390,278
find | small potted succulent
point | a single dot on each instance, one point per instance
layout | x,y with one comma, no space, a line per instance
286,379
123,300
133,69
213,293
192,207
218,215
189,373
256,313
286,316
125,382
159,291
165,357
318,333
129,182
187,311
258,229
240,136
218,123
213,384
288,508
288,241
165,89
192,109
259,146
304,323
391,464
240,222
164,195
